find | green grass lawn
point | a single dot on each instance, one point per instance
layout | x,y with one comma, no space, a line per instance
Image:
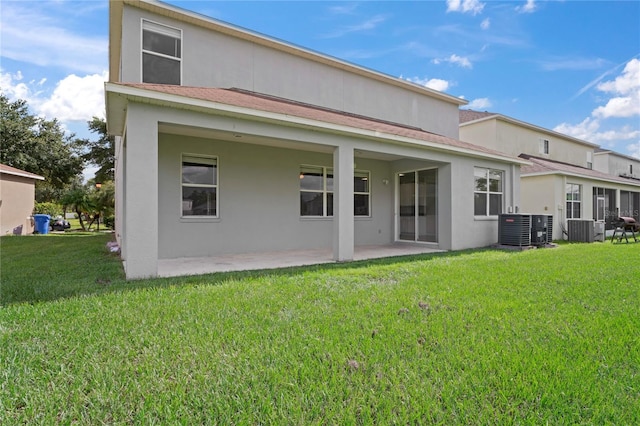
475,337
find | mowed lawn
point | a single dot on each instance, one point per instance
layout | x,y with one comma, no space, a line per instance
546,336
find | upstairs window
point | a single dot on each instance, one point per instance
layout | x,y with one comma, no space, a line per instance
589,160
544,146
161,54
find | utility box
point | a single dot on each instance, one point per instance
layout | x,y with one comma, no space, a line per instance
514,230
580,230
599,231
541,229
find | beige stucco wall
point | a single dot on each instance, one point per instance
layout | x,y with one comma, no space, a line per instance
515,140
17,198
212,59
616,165
544,195
259,202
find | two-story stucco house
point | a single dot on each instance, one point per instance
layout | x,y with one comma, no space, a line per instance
231,143
568,178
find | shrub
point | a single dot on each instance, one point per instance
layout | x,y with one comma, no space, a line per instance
52,209
109,222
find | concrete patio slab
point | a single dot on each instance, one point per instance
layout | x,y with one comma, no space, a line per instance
279,259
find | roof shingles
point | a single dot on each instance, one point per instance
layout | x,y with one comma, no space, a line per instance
266,103
542,166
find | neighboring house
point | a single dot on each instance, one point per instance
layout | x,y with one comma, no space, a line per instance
17,198
230,142
567,178
616,164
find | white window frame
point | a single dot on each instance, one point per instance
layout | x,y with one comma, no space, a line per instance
589,160
488,191
544,146
569,189
202,159
159,28
325,192
367,193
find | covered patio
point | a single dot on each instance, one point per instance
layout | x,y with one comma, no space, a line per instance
280,259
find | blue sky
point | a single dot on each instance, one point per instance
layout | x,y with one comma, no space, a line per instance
571,66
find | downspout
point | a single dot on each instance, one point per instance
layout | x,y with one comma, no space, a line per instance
513,189
562,207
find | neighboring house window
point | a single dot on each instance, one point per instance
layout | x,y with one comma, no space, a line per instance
199,186
544,146
573,201
589,160
316,192
630,169
161,54
488,192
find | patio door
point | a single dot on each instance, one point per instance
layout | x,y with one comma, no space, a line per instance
417,206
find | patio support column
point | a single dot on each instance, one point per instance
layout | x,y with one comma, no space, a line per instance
343,227
141,188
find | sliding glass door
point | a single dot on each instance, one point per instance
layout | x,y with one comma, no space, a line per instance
417,206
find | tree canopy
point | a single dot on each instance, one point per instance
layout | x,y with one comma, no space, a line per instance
100,152
37,145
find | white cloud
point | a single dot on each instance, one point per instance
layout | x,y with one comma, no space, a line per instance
344,10
12,86
529,7
30,35
76,98
479,103
367,25
634,149
462,61
624,102
465,6
485,24
626,91
434,83
589,130
73,99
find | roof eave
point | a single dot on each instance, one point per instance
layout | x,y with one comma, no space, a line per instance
24,175
119,95
578,175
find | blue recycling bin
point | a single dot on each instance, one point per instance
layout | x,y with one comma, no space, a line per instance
41,223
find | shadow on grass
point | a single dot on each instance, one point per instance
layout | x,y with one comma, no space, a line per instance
56,266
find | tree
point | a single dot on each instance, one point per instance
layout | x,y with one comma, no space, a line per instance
80,200
38,146
100,152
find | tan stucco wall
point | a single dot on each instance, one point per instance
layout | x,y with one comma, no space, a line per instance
17,198
515,140
616,165
544,195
